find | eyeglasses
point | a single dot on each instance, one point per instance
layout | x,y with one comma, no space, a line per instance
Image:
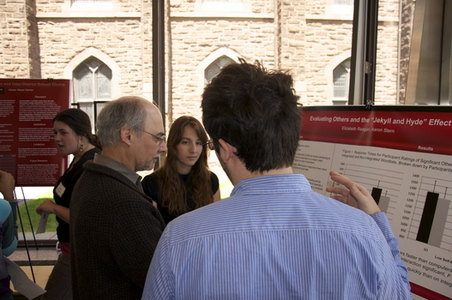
210,145
160,139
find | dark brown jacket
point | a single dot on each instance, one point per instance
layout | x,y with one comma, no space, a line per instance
114,232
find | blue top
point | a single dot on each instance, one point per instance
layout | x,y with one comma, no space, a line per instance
275,238
8,242
8,233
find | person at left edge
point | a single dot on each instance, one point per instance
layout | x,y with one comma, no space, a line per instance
8,231
73,136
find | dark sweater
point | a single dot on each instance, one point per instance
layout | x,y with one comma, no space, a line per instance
68,180
114,232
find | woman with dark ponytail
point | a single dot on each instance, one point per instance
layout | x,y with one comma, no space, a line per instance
73,136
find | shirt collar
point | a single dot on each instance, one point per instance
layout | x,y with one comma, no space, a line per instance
119,167
270,184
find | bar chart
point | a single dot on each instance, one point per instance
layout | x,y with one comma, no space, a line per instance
431,222
384,184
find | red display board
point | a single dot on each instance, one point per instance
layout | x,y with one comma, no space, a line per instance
420,129
27,147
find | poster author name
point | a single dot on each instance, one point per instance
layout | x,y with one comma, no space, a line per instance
367,129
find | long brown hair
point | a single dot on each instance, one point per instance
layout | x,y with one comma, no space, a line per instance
172,190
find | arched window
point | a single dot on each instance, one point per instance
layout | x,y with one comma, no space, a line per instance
341,80
214,68
92,86
92,81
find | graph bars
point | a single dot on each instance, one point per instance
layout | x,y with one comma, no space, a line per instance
432,219
384,184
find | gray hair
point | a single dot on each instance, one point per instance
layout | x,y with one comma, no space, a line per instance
125,111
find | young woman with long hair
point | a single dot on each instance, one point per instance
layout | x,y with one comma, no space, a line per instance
184,182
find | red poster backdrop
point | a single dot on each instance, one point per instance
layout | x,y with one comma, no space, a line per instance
420,129
27,148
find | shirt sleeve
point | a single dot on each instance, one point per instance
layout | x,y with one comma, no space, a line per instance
395,283
160,282
215,182
7,219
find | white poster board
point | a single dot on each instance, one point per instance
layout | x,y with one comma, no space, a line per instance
403,156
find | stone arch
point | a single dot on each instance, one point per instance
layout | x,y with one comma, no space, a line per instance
336,61
208,60
85,54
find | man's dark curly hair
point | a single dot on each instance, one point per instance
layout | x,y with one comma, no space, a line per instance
256,111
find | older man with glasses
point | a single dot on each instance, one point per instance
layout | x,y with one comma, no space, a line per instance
114,226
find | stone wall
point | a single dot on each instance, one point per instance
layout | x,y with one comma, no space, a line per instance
193,40
34,51
120,40
44,43
195,34
306,37
405,42
14,61
309,38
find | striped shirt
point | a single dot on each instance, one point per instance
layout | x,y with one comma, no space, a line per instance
275,238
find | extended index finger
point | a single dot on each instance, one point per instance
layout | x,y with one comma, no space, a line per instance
361,194
348,183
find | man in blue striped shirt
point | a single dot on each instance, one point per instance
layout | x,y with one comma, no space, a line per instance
273,238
